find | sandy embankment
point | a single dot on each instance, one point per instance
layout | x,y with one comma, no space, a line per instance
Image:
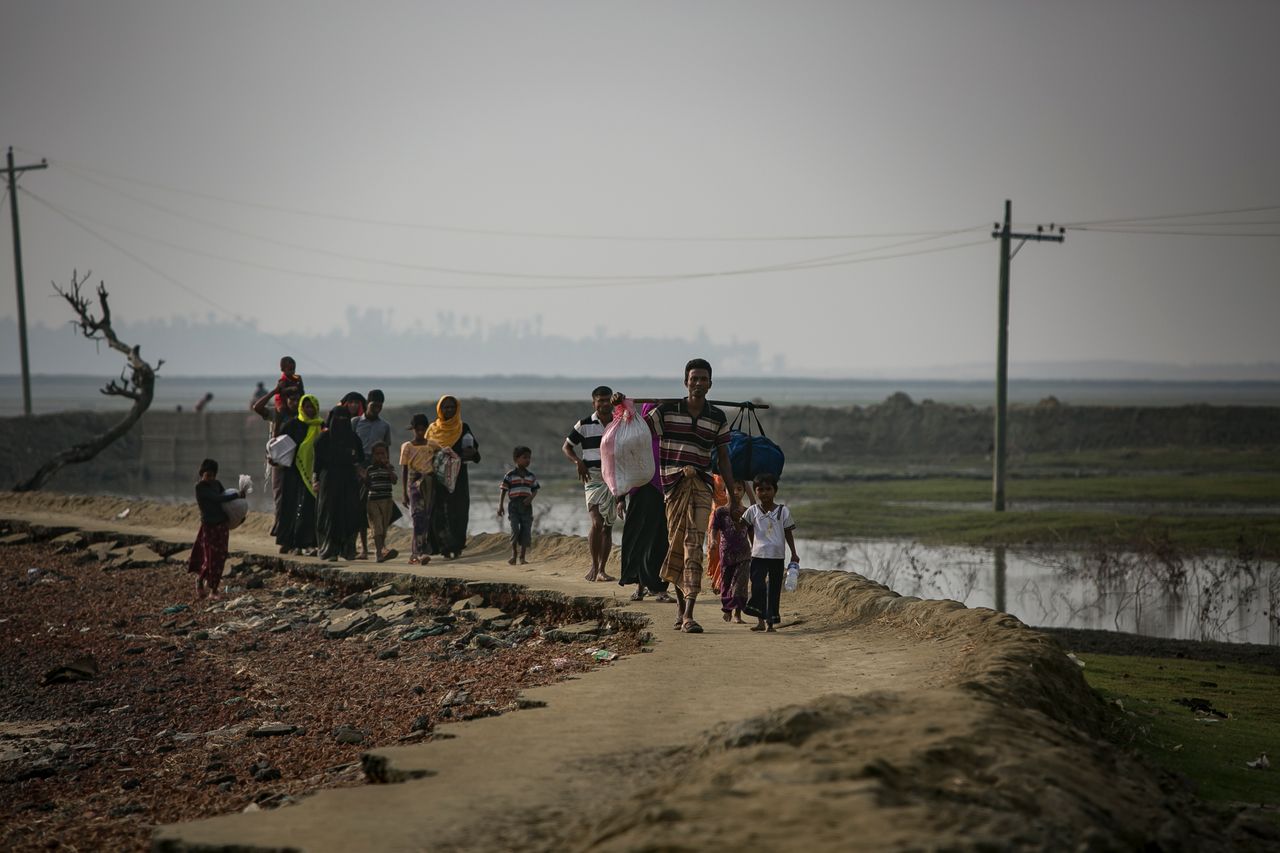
873,722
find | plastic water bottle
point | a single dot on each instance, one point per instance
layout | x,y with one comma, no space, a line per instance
793,576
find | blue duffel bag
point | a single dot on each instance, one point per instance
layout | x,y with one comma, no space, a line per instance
751,454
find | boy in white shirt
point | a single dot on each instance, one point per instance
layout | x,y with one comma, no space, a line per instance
769,527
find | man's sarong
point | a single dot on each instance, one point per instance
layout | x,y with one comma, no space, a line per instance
599,496
688,509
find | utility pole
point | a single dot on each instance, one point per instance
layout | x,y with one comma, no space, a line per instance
17,270
1006,236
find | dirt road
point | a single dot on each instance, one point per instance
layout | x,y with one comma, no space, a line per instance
870,721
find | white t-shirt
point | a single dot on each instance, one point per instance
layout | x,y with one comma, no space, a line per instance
770,530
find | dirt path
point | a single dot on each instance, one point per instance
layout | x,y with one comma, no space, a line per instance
872,722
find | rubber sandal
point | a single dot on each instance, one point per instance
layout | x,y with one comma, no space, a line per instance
638,595
691,627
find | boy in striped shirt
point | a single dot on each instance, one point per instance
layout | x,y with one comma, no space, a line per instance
517,490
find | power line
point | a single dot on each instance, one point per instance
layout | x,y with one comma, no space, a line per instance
79,169
1167,216
1167,232
456,270
577,281
171,280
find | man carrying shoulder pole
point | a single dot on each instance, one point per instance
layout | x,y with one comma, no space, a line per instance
690,431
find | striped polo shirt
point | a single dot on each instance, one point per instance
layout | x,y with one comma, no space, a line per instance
520,483
682,440
586,435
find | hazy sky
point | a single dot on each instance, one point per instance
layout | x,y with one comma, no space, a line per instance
599,119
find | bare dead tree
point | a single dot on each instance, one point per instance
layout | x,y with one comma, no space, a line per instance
137,380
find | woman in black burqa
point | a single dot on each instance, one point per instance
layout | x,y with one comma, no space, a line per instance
339,468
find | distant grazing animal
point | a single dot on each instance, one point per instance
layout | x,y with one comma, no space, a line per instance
814,443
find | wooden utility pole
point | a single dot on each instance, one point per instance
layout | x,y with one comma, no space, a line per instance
17,270
1000,451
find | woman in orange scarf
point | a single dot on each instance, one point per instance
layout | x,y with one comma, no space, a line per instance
450,510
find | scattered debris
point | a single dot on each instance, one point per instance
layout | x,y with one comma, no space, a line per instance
1259,763
83,668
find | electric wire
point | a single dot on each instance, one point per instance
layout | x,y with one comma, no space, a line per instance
173,281
925,236
1167,216
79,169
576,282
1168,232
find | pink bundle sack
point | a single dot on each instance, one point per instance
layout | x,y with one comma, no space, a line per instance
626,451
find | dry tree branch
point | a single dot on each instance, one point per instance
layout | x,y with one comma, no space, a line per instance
137,380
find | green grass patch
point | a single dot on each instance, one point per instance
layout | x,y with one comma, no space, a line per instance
1245,489
1188,460
1259,535
1115,511
1212,755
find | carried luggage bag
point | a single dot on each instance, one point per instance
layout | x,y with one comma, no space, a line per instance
751,454
447,465
281,450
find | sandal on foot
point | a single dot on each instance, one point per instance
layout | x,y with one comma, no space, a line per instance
638,595
691,627
663,598
679,625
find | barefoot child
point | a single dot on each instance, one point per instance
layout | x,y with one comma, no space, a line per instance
417,458
209,554
518,489
769,526
381,479
729,542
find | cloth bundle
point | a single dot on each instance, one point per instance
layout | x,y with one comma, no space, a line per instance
238,509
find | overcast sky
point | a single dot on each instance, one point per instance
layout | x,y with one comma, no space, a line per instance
195,136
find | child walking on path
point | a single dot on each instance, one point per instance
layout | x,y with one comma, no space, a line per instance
417,459
209,554
518,489
769,525
730,543
380,481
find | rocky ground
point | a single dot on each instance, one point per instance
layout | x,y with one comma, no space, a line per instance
124,703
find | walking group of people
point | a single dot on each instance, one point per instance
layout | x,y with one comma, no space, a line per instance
666,521
333,482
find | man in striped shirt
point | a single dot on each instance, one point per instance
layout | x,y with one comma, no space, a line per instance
601,506
689,432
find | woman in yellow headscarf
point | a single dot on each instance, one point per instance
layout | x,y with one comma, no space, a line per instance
450,510
295,528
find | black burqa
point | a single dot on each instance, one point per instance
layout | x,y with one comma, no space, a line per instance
339,454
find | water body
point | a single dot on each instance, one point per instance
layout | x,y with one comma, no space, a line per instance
232,393
1204,598
1220,599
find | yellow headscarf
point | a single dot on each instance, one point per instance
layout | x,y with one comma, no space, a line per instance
304,457
446,432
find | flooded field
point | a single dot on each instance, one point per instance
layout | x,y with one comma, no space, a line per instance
1229,599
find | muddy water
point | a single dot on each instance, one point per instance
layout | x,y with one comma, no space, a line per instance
1209,598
